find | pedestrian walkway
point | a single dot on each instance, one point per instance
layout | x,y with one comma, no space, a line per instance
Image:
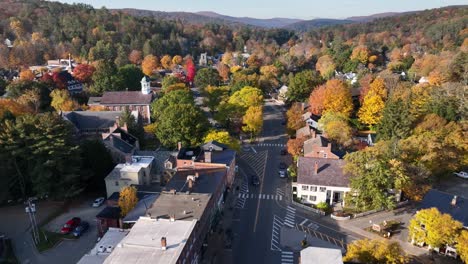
279,192
309,224
260,196
276,229
289,220
256,161
270,145
241,199
287,257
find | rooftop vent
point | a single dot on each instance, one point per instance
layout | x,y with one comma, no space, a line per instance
163,243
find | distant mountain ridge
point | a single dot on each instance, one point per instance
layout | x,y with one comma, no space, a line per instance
204,17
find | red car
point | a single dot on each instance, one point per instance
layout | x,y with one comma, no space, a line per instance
70,225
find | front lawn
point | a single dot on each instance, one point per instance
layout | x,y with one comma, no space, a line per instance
48,240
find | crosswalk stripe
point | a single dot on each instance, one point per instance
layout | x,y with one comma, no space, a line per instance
287,256
302,223
287,260
287,252
280,198
287,224
289,221
239,196
252,195
291,209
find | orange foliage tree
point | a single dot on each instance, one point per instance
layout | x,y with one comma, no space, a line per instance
135,57
149,64
316,100
27,75
295,146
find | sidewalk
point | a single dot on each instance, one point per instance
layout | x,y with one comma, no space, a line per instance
403,215
219,249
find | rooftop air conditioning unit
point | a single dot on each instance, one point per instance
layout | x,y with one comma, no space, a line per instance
109,249
101,249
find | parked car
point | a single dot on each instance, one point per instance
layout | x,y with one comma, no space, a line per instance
98,202
79,230
283,166
461,174
284,152
282,174
70,225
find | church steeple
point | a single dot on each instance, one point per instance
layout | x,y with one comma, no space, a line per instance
145,85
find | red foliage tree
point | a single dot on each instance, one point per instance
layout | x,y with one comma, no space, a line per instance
191,71
84,72
60,80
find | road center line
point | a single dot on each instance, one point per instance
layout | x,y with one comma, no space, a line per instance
261,190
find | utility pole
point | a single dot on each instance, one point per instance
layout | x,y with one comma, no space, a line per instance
31,211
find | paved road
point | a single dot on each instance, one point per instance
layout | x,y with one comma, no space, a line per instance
264,212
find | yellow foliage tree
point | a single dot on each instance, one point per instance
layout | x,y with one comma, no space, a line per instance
222,137
337,98
433,228
61,101
253,120
370,112
462,245
375,251
235,68
31,99
166,62
227,58
127,200
361,54
177,60
149,64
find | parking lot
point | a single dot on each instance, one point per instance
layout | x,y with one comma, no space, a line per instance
15,224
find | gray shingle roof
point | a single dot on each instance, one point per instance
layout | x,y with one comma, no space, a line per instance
442,201
330,172
126,98
92,119
303,132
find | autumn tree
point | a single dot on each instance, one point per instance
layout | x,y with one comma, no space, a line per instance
12,107
177,60
316,99
302,84
360,53
247,97
336,127
166,62
294,118
325,66
135,57
295,146
127,199
191,71
433,228
337,98
31,99
375,251
149,64
222,137
223,71
84,72
27,75
462,245
61,100
253,120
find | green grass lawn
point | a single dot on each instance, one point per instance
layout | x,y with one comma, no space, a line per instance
48,240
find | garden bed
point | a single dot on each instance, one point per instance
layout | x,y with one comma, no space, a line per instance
387,228
48,240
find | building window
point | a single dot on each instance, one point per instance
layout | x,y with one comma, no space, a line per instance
313,198
305,187
304,197
313,188
116,183
323,189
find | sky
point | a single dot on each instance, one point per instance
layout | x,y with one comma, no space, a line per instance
302,9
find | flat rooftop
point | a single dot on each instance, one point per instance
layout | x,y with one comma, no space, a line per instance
138,162
143,244
207,182
111,238
183,206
